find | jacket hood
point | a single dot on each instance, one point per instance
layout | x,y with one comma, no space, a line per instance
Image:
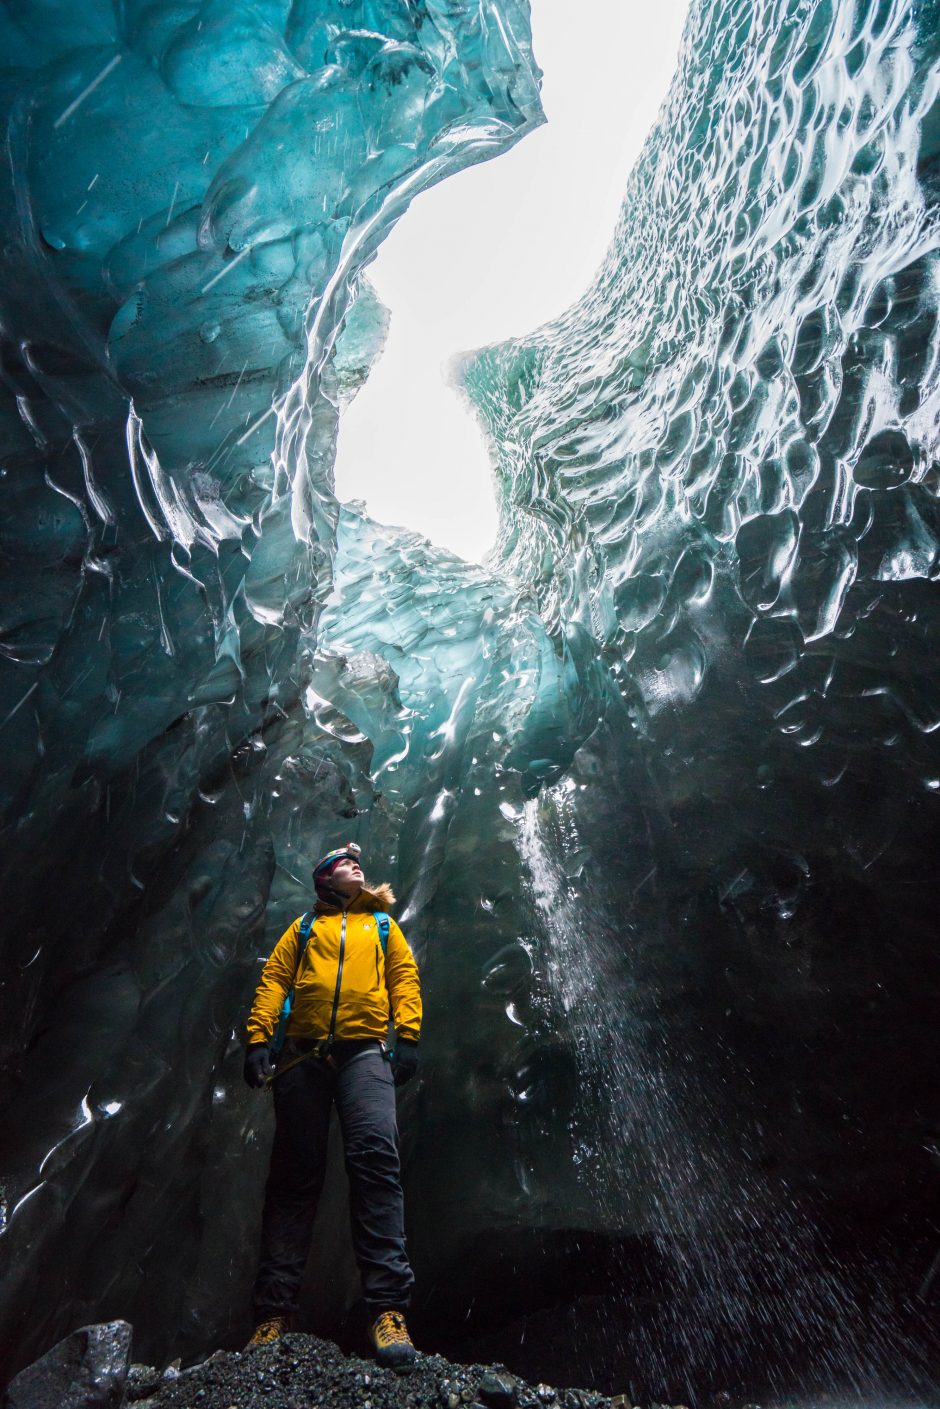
371,897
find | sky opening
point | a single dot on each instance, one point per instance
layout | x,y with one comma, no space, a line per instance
495,251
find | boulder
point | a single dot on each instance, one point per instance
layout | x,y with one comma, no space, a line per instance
87,1370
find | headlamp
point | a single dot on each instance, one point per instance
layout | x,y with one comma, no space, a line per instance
352,850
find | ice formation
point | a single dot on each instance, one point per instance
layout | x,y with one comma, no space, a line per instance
191,194
659,788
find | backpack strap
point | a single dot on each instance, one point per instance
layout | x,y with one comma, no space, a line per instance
382,924
280,1032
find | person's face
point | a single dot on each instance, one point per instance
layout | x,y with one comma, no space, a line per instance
346,877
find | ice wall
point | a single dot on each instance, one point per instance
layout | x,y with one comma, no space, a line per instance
658,790
189,194
722,463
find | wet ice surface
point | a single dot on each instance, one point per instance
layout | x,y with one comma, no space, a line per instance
721,468
191,195
658,789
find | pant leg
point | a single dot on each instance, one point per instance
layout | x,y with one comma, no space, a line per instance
365,1099
303,1098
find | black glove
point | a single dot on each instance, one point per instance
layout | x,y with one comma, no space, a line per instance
404,1060
257,1064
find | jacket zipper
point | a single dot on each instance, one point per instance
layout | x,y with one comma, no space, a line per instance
339,980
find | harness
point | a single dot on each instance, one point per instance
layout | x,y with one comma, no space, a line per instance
320,1049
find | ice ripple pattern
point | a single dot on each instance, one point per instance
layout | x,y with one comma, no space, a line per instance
189,195
722,464
730,445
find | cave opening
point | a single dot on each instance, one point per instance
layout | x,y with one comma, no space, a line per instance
492,252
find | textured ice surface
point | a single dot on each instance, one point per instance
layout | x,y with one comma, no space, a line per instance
658,790
722,463
191,193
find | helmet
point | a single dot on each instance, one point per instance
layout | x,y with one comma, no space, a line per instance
352,850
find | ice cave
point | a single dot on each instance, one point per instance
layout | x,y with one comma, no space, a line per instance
658,785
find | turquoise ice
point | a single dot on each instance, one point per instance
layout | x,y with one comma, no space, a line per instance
658,786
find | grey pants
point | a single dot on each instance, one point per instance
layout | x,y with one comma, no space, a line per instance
362,1087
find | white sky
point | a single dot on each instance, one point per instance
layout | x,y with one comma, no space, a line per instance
494,252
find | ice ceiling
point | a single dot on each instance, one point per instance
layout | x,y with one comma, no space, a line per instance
658,790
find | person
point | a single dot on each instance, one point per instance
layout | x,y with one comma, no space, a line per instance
346,986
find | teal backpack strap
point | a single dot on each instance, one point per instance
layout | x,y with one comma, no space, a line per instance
280,1032
382,922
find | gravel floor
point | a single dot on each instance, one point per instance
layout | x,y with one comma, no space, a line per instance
302,1372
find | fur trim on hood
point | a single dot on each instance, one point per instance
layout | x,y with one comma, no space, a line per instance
370,898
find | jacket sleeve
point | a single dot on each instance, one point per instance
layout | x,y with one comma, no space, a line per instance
404,987
277,978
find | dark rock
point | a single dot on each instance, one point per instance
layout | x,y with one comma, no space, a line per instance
142,1381
498,1389
87,1370
582,1399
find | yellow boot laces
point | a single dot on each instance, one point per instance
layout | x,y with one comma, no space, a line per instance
270,1330
390,1329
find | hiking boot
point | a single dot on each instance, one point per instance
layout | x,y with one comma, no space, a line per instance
391,1342
270,1330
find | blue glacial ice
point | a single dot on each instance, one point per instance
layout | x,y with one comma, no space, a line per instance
658,787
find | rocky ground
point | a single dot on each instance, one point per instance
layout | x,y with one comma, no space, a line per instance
301,1372
91,1369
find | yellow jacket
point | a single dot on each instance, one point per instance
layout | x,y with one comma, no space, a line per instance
343,962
